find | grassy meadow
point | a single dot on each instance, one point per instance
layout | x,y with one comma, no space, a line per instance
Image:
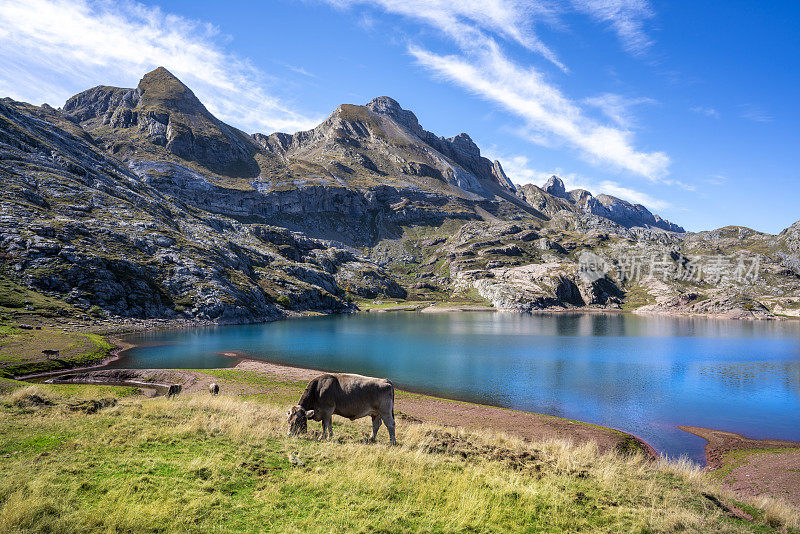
21,350
223,464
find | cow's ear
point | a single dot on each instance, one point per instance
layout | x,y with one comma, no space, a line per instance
310,414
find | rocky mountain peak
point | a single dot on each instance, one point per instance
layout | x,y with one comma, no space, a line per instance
169,118
553,199
465,144
384,105
161,87
555,186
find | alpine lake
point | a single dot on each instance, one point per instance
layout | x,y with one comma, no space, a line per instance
645,375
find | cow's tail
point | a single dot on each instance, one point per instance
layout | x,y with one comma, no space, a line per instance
390,383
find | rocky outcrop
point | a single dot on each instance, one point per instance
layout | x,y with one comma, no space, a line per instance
555,187
539,286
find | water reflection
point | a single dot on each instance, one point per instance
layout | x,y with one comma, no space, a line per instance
641,374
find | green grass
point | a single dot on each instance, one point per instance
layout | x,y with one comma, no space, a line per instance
367,304
14,298
203,464
7,384
636,297
21,350
251,384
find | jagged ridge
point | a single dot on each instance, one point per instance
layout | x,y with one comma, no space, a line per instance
553,197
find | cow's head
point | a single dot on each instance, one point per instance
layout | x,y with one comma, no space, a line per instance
297,418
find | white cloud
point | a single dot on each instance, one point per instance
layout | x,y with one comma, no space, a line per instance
754,113
54,48
716,179
612,188
708,112
626,18
617,107
545,110
466,22
479,27
519,170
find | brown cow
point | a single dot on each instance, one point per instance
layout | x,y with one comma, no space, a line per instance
347,395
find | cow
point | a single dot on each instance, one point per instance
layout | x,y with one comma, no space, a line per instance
213,388
347,395
173,390
50,353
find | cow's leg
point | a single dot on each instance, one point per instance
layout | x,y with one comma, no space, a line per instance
322,420
327,421
376,424
388,420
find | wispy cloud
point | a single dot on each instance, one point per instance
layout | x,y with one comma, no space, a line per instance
75,44
716,179
625,17
754,113
300,70
520,171
467,22
545,110
708,112
482,28
618,108
612,188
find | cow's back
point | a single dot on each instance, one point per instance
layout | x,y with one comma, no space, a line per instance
358,395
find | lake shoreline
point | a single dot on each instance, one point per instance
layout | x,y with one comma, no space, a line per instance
118,336
444,410
752,467
289,381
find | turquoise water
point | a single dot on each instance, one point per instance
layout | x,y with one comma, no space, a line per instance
643,375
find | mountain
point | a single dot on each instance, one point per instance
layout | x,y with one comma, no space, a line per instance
77,224
162,117
384,139
140,203
553,197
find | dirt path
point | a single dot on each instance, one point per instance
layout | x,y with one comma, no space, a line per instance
753,467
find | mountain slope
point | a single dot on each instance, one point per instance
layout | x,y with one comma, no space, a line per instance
141,203
79,225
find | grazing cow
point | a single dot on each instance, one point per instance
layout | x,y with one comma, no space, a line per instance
50,353
213,388
173,391
351,396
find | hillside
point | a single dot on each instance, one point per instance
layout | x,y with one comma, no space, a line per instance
140,203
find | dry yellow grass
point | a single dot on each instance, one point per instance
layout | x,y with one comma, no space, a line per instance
224,464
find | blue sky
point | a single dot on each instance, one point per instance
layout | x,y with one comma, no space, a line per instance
690,108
